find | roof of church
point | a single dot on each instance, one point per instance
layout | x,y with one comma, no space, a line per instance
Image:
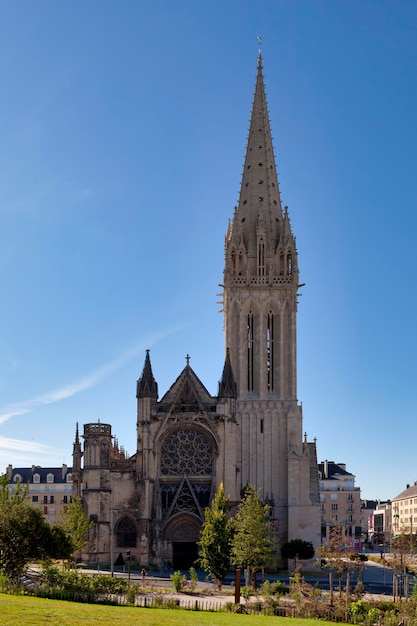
187,390
259,201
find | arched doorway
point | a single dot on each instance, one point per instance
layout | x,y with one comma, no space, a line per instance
183,532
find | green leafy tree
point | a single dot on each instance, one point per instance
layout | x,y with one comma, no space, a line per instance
11,494
24,533
297,550
252,545
26,536
336,555
216,538
76,524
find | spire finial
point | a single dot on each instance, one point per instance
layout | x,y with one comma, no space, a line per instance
187,358
259,40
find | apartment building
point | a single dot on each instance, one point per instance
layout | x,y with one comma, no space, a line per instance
48,488
340,502
404,511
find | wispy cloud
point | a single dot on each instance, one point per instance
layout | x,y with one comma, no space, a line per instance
90,380
20,445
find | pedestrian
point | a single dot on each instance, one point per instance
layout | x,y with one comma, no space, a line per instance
143,574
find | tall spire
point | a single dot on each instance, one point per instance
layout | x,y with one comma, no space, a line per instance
261,271
147,387
259,200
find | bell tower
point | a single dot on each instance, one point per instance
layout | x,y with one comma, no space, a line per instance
261,279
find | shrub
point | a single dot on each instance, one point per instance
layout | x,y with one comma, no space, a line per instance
193,579
372,616
358,610
179,581
247,591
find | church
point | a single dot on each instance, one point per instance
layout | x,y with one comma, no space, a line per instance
189,441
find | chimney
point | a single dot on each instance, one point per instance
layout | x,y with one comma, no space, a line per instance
64,470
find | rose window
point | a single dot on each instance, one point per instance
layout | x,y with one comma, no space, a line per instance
186,452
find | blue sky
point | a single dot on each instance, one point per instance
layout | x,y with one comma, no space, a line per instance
123,131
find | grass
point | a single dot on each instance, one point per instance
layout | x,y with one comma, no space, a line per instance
30,611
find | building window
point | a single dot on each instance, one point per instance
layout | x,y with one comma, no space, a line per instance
350,497
69,478
45,499
261,256
270,351
52,500
45,510
289,263
334,517
50,478
36,478
65,499
335,507
250,342
126,533
17,478
35,498
187,451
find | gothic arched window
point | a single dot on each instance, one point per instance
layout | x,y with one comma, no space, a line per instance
250,351
289,263
126,533
270,351
261,257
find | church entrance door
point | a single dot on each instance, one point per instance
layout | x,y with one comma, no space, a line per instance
183,532
184,554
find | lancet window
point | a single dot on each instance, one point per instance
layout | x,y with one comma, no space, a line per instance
261,257
270,351
126,533
289,263
250,343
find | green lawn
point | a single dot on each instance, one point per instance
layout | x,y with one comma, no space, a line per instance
29,611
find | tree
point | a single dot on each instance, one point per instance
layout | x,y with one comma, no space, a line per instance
11,494
403,549
337,554
76,524
26,536
216,538
252,545
24,533
297,550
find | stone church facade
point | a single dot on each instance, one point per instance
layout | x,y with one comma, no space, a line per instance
251,432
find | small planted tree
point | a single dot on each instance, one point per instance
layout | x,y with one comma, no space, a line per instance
252,545
336,555
216,538
76,524
297,550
